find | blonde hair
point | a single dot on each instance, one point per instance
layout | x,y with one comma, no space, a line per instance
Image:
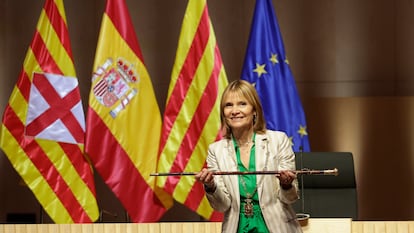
246,90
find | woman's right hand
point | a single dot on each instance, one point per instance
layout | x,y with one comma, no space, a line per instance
206,177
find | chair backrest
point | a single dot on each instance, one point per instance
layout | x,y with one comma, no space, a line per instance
324,196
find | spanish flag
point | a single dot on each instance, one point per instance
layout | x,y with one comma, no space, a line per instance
123,120
43,126
192,112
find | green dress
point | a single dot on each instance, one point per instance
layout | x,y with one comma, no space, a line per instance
247,185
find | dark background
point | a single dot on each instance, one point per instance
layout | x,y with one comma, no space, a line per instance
353,62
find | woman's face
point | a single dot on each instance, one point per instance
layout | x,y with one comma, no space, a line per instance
238,112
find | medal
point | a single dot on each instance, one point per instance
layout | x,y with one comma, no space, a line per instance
248,207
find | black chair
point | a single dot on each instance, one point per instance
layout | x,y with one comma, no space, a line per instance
327,196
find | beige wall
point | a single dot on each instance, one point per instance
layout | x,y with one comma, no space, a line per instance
352,61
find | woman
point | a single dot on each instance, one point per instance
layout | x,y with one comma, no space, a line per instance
251,203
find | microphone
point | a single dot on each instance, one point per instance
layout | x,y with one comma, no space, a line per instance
302,217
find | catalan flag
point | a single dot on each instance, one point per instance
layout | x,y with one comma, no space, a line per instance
124,121
192,112
43,126
267,67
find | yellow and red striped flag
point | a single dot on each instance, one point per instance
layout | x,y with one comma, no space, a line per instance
43,126
192,113
124,120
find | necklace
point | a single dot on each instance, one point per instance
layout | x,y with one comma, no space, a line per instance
248,201
243,144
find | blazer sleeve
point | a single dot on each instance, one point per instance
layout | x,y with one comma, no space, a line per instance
219,199
286,161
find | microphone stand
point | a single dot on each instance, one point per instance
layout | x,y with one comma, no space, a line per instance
106,212
302,217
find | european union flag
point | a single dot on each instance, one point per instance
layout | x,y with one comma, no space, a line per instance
267,67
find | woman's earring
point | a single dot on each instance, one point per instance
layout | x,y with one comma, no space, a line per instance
254,119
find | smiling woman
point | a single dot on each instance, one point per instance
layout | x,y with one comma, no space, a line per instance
239,114
250,203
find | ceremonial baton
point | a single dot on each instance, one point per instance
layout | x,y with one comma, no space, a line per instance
297,172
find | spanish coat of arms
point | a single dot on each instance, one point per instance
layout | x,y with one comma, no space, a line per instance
113,84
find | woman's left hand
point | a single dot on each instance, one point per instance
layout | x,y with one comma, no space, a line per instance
286,178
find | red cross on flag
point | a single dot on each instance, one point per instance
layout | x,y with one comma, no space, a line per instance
55,110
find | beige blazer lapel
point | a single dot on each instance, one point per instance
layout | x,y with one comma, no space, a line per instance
261,154
261,151
230,164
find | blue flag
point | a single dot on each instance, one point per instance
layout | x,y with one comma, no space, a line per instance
267,67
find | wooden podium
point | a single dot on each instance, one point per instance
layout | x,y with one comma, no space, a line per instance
315,225
328,225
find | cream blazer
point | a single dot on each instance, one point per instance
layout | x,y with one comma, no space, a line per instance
275,203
